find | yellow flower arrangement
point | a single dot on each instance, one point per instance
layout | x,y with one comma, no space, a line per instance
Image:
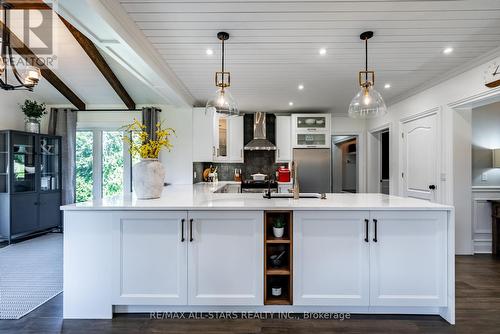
144,147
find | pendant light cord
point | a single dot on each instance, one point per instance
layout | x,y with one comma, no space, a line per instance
366,59
223,64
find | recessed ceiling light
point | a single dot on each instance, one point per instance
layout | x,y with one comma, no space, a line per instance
300,87
322,51
290,104
209,52
447,51
387,86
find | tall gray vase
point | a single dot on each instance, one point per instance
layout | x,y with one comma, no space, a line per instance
148,178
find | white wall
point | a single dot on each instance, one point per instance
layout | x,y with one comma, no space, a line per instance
455,134
179,162
11,116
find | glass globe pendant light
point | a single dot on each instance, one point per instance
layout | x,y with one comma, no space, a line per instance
223,103
368,103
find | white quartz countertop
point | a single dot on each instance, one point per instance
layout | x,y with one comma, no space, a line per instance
201,196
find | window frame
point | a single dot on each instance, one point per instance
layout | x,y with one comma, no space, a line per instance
97,161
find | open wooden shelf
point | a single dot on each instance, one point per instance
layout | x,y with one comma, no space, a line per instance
278,271
278,301
280,275
274,240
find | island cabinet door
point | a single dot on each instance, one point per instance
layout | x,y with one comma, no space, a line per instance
408,258
225,258
331,258
150,258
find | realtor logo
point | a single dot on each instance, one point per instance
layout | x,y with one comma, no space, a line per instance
32,24
38,31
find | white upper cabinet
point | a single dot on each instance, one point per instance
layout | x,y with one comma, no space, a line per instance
217,139
203,135
283,138
228,139
311,130
236,139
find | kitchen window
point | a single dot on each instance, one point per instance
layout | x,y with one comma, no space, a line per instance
103,164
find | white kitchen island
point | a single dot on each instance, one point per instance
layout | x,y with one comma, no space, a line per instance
195,250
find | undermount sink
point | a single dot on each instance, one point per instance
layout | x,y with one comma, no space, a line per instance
290,195
228,188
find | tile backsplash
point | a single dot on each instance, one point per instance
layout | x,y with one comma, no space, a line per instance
225,171
254,161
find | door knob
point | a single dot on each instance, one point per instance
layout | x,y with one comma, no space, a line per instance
432,187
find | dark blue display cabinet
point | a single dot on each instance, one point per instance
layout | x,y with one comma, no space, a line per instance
30,183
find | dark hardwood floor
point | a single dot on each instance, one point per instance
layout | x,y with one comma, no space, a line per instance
478,312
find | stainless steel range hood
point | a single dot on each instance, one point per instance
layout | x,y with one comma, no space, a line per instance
259,141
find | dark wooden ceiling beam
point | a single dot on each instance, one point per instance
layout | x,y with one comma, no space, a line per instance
99,61
28,4
20,48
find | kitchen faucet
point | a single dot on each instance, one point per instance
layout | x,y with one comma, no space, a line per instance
295,181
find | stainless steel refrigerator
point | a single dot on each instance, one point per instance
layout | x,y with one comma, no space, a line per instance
313,169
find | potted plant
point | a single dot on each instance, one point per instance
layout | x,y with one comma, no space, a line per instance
33,112
148,173
279,227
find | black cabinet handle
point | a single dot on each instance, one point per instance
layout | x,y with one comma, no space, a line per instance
182,229
191,230
366,232
432,187
375,237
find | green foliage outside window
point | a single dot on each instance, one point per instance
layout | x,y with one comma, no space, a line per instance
84,164
112,163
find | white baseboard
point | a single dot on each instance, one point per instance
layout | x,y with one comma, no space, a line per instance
482,246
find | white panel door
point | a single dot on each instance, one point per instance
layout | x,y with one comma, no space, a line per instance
203,136
283,138
150,258
331,258
420,157
408,260
236,139
225,254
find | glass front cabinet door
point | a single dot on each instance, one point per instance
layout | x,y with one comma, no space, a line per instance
4,163
23,162
50,170
221,136
311,130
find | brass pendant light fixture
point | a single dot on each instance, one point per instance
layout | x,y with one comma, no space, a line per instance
368,103
223,102
26,79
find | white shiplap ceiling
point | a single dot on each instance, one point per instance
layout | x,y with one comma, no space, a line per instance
274,45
